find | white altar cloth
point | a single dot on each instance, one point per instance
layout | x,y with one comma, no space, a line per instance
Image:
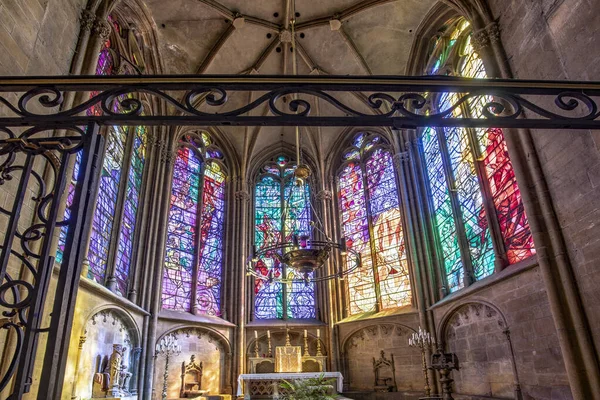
289,376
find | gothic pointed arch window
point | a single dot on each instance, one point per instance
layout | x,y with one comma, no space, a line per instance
281,210
115,220
195,232
474,196
371,220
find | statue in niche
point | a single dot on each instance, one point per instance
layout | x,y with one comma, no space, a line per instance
385,374
112,374
115,369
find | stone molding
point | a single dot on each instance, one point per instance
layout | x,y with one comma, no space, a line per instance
101,28
242,195
326,195
486,36
87,20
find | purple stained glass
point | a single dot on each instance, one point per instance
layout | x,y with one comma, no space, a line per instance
208,297
182,231
104,67
130,211
197,206
103,220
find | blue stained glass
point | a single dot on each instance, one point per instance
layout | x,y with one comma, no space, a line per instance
274,192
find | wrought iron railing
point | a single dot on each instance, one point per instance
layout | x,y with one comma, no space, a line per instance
32,108
400,102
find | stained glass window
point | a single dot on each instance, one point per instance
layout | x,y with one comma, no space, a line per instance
465,166
282,209
372,226
121,178
194,255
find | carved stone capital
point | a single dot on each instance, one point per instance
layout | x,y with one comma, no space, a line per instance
242,195
480,40
493,30
168,157
325,195
101,29
401,158
86,20
486,36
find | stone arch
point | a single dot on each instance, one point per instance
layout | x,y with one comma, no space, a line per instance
332,160
367,342
222,349
478,332
104,327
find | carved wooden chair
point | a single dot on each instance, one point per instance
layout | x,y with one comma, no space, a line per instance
385,374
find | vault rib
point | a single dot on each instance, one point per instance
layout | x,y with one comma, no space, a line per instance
342,15
220,8
215,49
359,58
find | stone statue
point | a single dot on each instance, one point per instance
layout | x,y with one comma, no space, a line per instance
116,359
112,374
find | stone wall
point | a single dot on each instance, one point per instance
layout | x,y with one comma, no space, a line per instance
38,37
475,323
558,39
362,341
207,347
100,317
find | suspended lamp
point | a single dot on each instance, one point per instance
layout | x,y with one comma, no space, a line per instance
302,252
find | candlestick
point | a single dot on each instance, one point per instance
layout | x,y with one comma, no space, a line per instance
318,333
269,341
167,346
256,344
306,353
319,354
287,336
422,340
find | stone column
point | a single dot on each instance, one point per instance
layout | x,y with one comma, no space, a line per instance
413,207
82,340
579,353
242,198
134,369
152,292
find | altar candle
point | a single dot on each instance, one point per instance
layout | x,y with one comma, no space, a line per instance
305,334
269,334
255,335
318,333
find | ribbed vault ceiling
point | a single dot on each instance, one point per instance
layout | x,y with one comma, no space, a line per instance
342,37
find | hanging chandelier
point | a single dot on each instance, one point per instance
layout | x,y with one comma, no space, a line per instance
303,253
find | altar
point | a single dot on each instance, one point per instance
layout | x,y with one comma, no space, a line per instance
267,385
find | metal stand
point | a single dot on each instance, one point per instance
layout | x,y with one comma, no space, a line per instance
168,346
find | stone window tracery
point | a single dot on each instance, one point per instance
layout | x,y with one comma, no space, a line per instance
111,246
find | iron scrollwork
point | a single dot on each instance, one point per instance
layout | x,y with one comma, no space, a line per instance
396,102
34,163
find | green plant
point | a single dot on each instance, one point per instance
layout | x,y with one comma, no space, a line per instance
308,389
